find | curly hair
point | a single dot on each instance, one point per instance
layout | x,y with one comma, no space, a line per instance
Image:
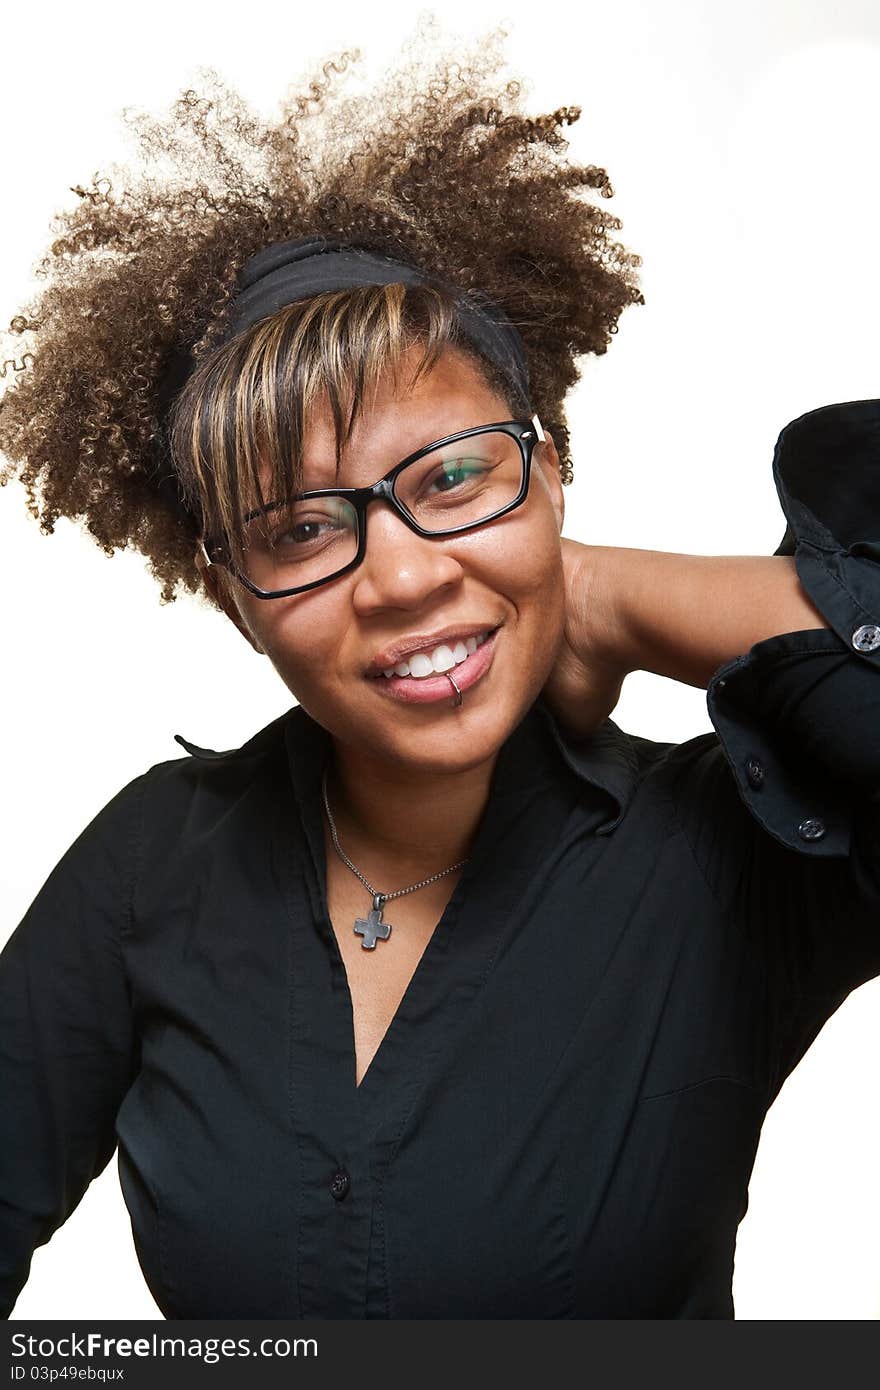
438,165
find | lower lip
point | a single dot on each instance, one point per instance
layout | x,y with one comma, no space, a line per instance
424,690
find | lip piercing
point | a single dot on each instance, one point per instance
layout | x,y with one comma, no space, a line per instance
458,700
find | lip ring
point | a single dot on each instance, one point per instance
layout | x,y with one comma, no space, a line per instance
459,698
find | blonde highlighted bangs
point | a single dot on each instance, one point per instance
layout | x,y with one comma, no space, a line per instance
243,412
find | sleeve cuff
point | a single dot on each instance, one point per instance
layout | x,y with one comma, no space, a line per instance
753,705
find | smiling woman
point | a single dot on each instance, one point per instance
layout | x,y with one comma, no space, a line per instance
321,382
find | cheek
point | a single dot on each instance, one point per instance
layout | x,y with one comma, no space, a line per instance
301,638
528,572
543,577
528,561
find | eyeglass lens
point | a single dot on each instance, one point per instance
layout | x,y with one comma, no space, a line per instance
463,483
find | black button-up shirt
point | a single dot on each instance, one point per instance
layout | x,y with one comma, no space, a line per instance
562,1118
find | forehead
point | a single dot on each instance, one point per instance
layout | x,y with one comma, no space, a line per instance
400,418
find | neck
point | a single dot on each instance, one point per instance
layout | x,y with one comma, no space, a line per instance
393,820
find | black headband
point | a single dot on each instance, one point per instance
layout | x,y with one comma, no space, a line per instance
293,270
288,271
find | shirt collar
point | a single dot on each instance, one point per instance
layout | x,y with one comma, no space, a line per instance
606,760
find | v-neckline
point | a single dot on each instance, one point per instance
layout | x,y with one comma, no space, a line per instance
454,962
425,965
422,981
378,978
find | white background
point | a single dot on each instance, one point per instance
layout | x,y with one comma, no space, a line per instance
742,145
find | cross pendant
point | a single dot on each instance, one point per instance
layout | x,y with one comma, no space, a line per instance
373,929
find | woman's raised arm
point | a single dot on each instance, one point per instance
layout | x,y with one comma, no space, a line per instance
781,805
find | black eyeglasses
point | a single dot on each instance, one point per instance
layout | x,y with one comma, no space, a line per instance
452,485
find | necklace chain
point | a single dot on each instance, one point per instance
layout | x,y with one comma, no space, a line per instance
386,897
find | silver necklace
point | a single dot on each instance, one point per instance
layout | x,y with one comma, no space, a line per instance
372,928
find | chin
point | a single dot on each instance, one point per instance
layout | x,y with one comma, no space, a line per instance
453,740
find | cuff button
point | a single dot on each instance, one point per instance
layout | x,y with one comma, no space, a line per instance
866,638
754,772
812,829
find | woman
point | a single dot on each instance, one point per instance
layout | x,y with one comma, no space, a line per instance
442,996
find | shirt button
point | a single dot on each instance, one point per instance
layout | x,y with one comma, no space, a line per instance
339,1184
812,829
866,638
754,772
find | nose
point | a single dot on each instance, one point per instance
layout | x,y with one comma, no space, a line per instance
401,569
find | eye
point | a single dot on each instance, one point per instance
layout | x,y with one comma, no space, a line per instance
455,473
301,532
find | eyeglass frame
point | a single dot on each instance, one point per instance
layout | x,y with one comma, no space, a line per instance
527,433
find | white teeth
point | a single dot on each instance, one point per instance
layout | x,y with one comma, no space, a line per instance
442,658
421,664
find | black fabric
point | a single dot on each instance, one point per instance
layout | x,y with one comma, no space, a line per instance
288,271
563,1116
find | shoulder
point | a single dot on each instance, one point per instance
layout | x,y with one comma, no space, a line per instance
697,776
186,796
633,769
695,779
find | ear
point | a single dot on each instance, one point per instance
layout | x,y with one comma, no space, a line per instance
547,459
215,580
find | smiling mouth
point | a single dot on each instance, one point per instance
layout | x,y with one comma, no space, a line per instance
437,686
444,657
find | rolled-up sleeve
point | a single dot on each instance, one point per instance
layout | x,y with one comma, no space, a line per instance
792,841
798,716
68,1051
